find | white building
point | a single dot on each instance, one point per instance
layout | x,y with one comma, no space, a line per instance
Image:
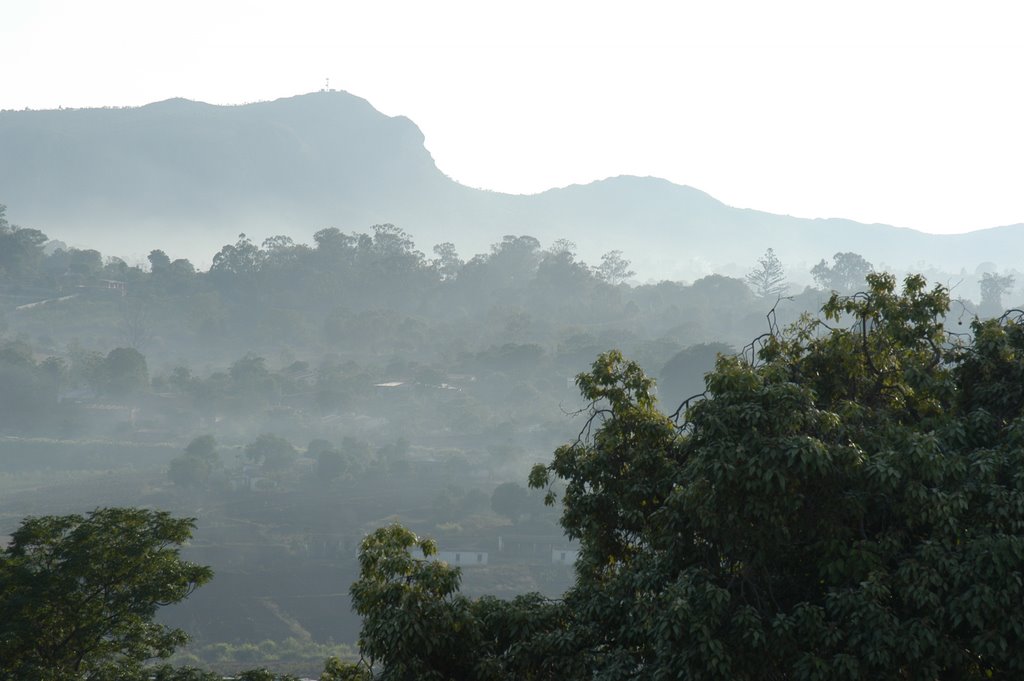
461,558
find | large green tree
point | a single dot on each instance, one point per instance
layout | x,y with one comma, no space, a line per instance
80,593
417,627
846,503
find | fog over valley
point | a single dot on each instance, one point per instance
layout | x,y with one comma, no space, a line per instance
281,399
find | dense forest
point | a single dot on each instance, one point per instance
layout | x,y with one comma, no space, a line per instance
845,504
293,398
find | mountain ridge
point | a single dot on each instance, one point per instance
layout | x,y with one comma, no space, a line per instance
188,176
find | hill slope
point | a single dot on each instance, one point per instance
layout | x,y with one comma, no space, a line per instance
188,177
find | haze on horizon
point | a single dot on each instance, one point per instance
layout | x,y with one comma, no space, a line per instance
906,115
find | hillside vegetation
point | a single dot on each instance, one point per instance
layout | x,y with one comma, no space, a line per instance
187,177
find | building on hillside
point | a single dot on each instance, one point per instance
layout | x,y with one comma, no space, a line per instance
111,285
539,547
462,558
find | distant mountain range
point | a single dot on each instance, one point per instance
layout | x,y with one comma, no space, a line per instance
187,177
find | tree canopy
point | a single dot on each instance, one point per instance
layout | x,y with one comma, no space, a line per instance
21,249
847,273
847,502
80,593
273,452
993,287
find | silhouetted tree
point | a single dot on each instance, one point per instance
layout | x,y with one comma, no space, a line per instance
242,257
993,288
203,447
21,250
614,269
125,372
273,452
158,261
510,500
768,279
189,471
447,263
846,274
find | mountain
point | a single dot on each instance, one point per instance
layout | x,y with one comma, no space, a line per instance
187,177
187,174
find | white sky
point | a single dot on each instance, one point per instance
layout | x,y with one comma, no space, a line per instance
908,113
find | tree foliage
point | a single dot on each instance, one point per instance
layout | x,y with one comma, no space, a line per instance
80,593
126,372
510,500
193,467
993,288
158,261
846,504
241,258
189,471
614,269
273,452
203,447
21,249
417,626
847,273
29,393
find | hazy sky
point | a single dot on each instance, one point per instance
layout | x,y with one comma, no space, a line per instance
908,113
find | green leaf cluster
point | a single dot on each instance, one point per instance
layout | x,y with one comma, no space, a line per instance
847,503
80,593
416,625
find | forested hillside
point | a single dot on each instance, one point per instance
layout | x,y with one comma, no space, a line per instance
186,177
293,397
